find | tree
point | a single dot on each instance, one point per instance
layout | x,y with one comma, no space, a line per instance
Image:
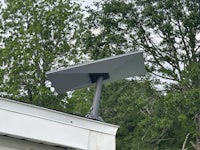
183,113
168,32
37,36
133,105
80,101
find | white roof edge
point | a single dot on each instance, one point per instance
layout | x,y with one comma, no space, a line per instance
56,116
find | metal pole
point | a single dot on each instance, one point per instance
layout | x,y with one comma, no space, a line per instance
96,100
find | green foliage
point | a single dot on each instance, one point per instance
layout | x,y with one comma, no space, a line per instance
37,36
81,101
132,105
184,109
112,22
168,32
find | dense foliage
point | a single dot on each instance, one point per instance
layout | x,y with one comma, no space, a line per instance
169,33
158,111
37,36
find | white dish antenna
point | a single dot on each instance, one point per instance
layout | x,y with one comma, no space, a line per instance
99,71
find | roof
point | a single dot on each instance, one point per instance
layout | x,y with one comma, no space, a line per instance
43,125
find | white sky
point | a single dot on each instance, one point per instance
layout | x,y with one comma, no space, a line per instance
85,2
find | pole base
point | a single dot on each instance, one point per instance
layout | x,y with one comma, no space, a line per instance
90,116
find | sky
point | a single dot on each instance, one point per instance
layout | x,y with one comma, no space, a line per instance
85,2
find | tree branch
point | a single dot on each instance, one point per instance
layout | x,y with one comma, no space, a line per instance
185,141
164,77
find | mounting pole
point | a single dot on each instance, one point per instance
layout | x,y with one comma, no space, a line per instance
96,100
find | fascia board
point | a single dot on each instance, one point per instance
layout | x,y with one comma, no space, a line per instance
48,126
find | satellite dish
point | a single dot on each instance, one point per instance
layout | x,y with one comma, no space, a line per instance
99,71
